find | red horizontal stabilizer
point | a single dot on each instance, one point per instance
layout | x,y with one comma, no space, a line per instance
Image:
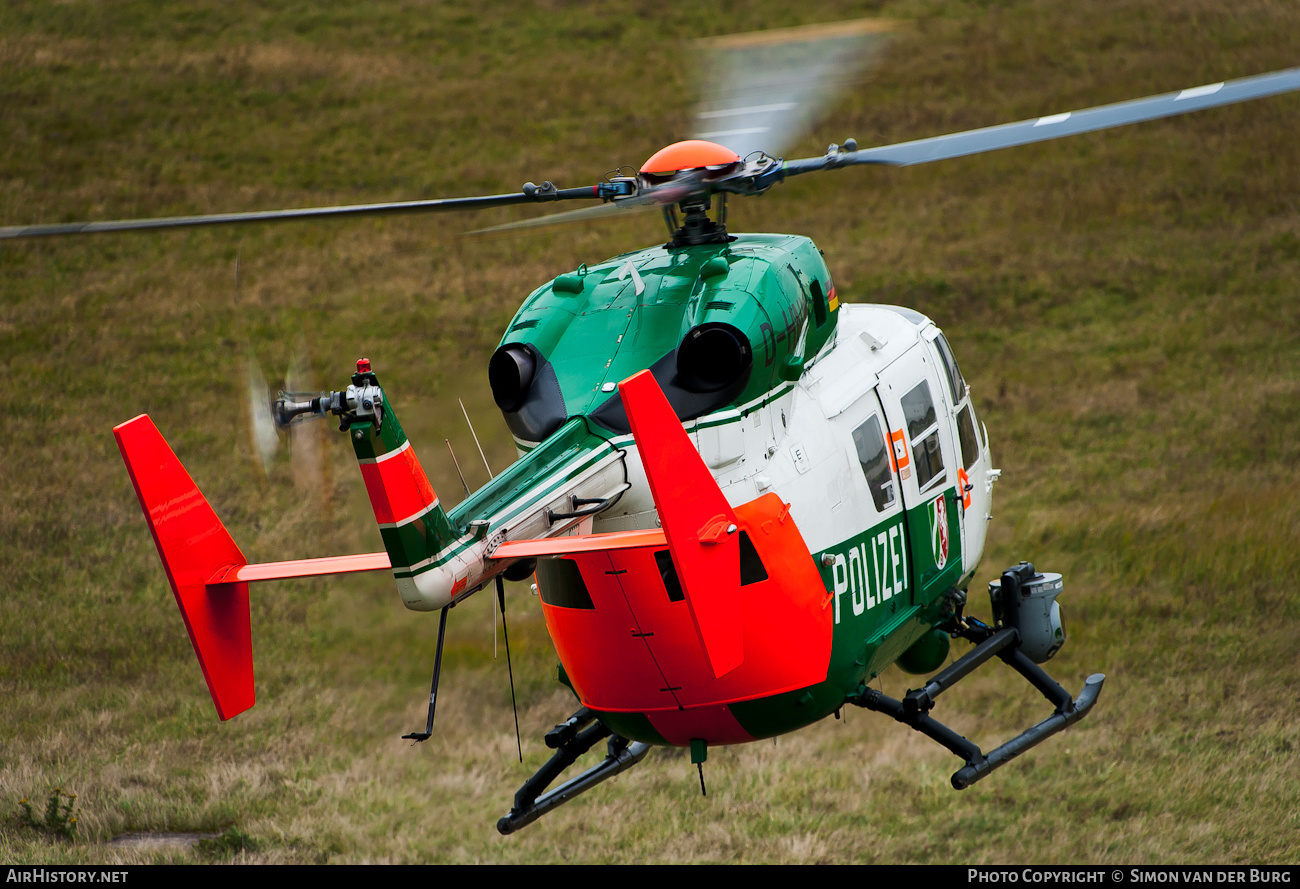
584,543
302,568
194,545
697,520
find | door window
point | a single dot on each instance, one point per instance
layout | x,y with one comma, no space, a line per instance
923,431
869,440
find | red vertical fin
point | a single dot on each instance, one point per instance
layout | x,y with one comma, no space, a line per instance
697,520
194,546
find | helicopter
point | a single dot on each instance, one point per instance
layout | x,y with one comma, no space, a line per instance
692,470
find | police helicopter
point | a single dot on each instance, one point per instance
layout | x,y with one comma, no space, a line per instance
740,499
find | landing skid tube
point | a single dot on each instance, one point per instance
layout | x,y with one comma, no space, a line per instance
570,740
914,709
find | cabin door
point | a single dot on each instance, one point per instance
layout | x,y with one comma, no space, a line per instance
921,442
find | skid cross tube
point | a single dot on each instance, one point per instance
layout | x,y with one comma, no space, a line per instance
621,756
914,709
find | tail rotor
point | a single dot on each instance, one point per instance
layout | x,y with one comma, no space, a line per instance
274,416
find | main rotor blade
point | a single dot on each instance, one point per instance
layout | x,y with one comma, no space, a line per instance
598,213
1055,126
533,195
762,91
647,198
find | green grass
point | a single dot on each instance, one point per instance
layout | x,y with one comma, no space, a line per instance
1123,305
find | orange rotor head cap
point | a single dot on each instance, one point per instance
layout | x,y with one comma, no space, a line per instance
689,155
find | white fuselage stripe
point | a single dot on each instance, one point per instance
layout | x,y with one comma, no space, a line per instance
406,521
406,446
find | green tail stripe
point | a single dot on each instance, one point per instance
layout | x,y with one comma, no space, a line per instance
418,540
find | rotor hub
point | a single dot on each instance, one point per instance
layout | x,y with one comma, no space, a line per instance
693,154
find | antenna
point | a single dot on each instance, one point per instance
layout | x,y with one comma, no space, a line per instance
456,463
501,600
475,434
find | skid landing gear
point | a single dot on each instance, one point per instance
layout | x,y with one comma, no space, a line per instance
569,740
1005,643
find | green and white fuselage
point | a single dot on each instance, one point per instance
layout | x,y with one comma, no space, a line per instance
855,416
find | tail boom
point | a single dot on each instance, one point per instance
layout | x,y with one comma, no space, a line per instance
437,561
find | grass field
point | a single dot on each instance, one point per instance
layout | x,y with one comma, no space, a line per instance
1123,304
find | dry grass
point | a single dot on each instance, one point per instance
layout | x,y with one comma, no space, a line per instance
1123,304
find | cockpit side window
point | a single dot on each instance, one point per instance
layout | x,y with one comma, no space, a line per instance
956,385
869,441
970,443
923,431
